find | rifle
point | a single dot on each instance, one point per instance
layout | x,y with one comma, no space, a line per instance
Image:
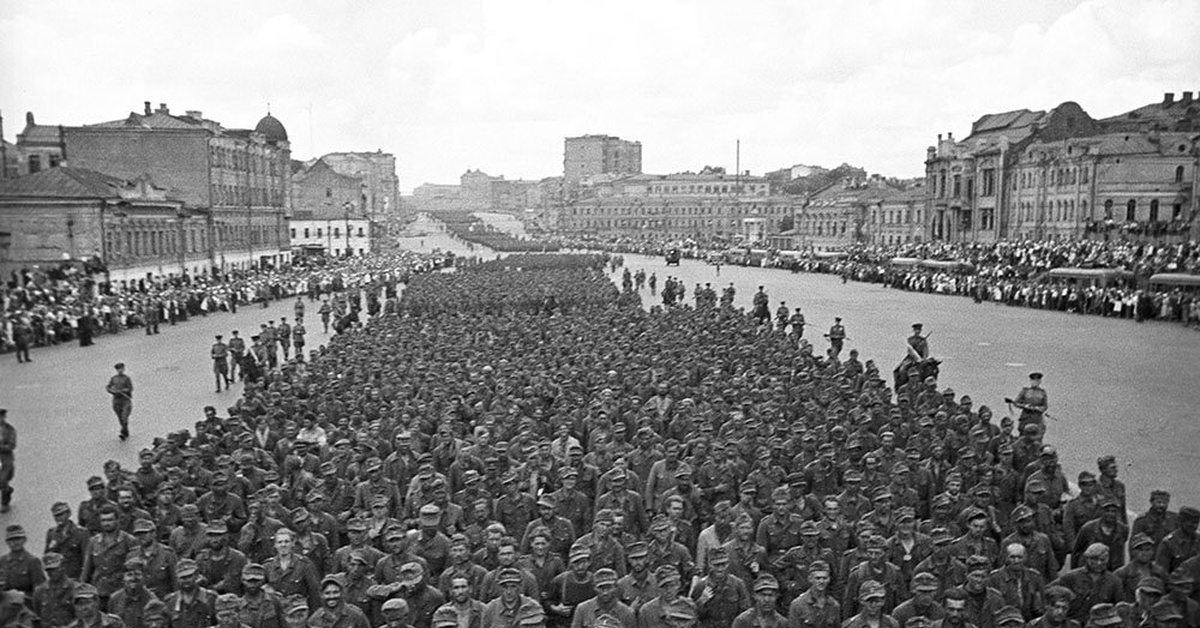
1022,406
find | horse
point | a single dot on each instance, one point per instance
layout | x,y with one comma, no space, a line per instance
925,368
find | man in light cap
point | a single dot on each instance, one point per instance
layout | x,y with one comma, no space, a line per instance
922,603
763,613
86,600
871,597
261,607
876,569
604,603
432,544
228,608
720,596
52,598
334,611
815,608
506,609
190,605
19,569
220,565
571,587
67,538
129,602
295,612
562,531
1092,583
395,613
1038,548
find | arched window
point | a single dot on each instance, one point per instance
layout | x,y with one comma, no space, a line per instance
1131,210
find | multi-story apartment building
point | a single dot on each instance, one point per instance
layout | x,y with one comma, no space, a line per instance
1063,174
589,156
679,206
330,213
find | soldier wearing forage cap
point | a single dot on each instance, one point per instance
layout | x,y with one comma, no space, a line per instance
19,569
86,600
51,599
875,569
762,614
1182,543
1033,403
720,596
67,539
261,607
569,588
1092,583
333,609
605,602
639,584
508,609
670,587
191,605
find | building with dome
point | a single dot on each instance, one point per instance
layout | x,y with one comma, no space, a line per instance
239,180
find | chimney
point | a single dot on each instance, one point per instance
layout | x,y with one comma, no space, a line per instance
939,138
29,118
1168,98
195,114
949,136
1186,100
162,108
147,105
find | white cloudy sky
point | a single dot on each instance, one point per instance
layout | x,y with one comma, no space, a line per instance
496,84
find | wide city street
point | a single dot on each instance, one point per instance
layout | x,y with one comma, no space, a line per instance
1115,386
66,429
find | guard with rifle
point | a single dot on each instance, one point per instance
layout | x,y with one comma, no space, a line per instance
1033,403
120,386
836,336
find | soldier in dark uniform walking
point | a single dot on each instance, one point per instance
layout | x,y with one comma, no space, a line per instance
836,336
8,446
120,386
220,358
237,351
1033,403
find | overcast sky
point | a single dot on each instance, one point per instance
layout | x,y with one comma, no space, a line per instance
496,85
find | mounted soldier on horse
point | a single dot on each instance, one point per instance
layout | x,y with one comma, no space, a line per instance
917,359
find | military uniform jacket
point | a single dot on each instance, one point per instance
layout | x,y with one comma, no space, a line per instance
345,616
262,611
104,562
22,571
53,604
861,621
159,572
198,611
805,612
130,606
298,578
222,574
730,598
586,613
754,619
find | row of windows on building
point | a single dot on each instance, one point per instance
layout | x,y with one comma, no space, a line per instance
1055,177
1131,211
34,162
759,190
126,243
235,159
654,224
896,216
235,195
336,232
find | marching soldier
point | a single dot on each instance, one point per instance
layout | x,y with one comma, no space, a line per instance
220,358
836,336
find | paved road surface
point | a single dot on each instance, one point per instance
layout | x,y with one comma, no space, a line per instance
1116,386
65,426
